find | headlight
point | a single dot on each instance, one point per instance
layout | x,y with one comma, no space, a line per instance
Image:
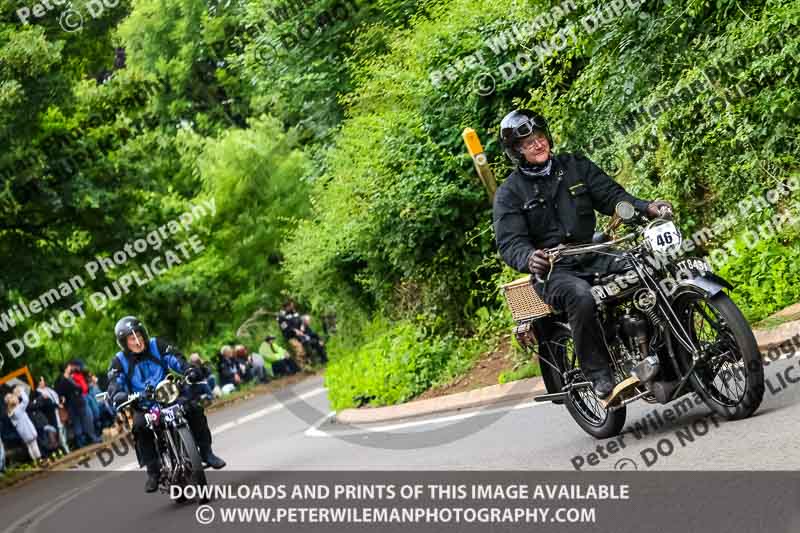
167,392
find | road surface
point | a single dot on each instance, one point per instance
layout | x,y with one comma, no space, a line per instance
269,436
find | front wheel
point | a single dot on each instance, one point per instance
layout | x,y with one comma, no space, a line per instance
583,404
729,373
190,458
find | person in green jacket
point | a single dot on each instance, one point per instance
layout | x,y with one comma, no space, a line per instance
276,358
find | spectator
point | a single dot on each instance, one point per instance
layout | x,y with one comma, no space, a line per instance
42,412
2,456
313,343
8,434
104,415
46,391
16,403
291,325
80,377
245,369
256,364
71,397
210,386
228,369
280,362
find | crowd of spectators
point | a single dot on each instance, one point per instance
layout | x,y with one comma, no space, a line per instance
50,421
237,366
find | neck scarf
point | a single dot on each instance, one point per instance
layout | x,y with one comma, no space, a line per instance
537,170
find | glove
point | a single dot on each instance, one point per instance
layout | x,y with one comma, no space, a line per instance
539,263
193,375
659,208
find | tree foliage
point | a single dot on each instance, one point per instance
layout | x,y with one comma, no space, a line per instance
329,138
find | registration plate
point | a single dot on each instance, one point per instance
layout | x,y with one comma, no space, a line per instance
697,266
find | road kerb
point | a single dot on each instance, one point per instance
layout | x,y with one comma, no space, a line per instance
521,390
518,390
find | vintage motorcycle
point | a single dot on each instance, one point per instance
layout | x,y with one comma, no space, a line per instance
669,327
181,463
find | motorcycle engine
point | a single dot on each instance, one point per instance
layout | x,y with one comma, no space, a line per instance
635,333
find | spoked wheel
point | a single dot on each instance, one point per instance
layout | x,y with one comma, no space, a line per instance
170,464
582,403
729,374
553,360
190,458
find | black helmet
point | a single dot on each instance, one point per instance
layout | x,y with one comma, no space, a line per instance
127,325
517,125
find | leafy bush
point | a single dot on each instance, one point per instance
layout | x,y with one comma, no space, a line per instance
765,272
396,363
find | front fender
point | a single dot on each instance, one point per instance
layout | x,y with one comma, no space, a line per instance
708,283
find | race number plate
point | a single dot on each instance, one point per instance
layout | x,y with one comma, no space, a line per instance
168,414
663,237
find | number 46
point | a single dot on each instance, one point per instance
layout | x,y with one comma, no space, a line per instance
664,239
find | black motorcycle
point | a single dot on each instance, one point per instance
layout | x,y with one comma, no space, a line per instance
181,463
669,327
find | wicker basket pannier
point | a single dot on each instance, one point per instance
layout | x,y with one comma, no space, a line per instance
523,301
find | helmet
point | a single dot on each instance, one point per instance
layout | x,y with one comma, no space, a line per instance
517,125
127,325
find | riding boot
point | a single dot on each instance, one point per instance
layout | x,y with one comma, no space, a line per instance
153,475
210,459
602,381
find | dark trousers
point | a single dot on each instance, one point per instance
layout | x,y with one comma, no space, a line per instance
77,417
568,289
285,367
145,439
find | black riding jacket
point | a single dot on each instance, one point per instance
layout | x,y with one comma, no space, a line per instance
533,212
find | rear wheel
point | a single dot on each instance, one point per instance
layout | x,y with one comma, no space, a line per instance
552,361
583,404
729,374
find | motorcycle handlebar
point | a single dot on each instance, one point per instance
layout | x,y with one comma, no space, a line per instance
147,394
132,398
580,249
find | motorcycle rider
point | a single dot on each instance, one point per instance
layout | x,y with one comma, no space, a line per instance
550,200
144,361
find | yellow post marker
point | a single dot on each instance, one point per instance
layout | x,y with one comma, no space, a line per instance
475,150
16,373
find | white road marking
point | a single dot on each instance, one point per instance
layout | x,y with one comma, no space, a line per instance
314,430
261,413
31,520
227,426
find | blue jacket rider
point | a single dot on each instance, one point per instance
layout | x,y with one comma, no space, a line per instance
144,362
